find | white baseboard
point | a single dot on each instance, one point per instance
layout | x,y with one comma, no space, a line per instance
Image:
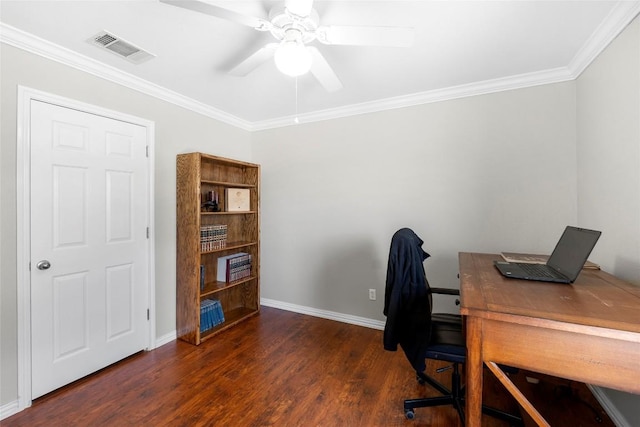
618,419
165,339
9,409
325,314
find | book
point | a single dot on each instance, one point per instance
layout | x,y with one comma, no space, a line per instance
233,267
537,259
213,237
211,314
237,199
202,271
219,236
205,315
238,267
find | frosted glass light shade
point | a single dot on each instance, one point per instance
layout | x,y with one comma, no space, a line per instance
292,58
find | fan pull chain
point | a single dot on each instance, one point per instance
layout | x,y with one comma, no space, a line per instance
296,121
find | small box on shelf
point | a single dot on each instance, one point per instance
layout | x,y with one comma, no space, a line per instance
237,199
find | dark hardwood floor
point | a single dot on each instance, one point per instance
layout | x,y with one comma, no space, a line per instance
280,369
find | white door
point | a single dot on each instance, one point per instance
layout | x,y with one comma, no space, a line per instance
89,247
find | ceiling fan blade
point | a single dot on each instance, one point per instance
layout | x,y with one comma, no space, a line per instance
322,71
221,12
299,7
252,62
366,36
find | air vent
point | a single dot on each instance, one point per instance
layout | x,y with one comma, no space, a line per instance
123,49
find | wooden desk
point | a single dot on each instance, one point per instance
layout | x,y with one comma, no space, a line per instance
588,331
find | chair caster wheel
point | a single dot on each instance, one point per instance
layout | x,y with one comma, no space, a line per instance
409,414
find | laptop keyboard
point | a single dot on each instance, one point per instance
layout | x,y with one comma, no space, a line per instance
537,270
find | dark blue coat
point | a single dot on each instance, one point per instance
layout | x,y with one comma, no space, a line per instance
407,300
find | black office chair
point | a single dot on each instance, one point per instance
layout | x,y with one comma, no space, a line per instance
421,333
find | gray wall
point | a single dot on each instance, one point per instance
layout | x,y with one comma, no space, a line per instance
454,171
608,130
177,131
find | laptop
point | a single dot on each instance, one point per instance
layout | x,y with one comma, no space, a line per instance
564,264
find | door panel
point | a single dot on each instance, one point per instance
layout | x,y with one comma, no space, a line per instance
69,206
120,294
69,315
89,216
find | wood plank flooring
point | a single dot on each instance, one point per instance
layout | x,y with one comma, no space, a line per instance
278,369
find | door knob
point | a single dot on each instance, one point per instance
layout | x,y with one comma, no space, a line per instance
43,265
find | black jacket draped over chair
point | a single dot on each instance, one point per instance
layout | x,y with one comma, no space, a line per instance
407,302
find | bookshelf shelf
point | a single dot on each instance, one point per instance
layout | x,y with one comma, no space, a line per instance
229,213
198,176
212,288
232,317
230,247
227,184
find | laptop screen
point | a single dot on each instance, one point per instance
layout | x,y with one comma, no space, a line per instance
572,251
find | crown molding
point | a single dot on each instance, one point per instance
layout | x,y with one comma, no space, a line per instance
428,97
38,46
619,17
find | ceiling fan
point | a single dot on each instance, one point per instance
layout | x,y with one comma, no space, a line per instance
294,26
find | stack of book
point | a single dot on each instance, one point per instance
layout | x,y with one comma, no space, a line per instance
234,267
213,237
211,314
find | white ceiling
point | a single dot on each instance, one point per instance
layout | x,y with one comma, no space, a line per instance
460,48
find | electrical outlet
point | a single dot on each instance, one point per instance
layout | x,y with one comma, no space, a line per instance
372,294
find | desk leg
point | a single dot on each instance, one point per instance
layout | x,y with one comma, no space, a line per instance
474,372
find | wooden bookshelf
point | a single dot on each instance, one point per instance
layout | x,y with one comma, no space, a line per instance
197,174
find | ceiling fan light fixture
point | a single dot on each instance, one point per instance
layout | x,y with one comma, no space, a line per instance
295,25
292,58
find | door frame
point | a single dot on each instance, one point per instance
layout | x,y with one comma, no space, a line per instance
23,223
